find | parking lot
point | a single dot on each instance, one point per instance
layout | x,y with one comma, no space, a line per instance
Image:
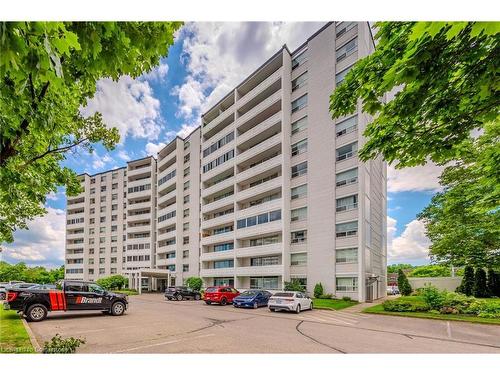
153,325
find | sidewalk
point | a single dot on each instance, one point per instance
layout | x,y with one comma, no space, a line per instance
364,305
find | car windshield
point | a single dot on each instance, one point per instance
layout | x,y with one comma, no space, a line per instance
212,290
249,293
283,295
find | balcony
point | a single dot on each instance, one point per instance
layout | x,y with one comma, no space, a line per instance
229,164
268,206
261,229
343,190
217,221
217,255
347,138
274,98
259,189
227,201
217,187
350,241
167,197
347,163
138,171
259,168
167,171
260,88
141,217
264,125
165,261
217,238
259,148
139,206
139,228
166,223
140,194
216,272
346,267
255,251
166,249
223,116
351,213
166,235
277,270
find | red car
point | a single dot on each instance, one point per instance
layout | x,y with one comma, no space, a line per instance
220,294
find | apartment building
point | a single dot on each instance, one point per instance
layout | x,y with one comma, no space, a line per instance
269,189
283,194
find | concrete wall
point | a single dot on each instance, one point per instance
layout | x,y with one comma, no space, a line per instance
446,283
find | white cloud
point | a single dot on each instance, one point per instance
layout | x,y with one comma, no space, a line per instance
122,154
156,74
154,148
411,246
422,178
219,55
128,105
186,129
42,243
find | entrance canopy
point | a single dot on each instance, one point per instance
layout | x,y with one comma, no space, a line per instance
135,276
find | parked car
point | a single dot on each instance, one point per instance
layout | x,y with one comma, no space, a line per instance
290,301
3,286
181,292
43,286
252,298
220,294
22,285
392,290
72,295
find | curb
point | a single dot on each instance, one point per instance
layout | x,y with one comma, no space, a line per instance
32,337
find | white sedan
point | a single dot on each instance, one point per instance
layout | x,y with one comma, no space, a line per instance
290,301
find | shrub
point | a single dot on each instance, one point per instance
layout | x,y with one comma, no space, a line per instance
403,284
113,282
493,280
467,285
346,298
318,290
294,286
480,289
325,296
459,302
405,306
58,345
194,283
433,297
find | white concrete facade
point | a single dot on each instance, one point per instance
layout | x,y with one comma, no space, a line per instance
274,188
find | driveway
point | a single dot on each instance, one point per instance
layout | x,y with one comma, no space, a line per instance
152,325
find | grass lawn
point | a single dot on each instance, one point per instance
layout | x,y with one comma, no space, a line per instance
13,336
378,309
332,304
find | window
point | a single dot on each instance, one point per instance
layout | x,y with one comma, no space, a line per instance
339,77
114,207
299,125
299,147
264,282
347,203
262,241
103,209
186,199
103,188
185,226
347,49
102,229
185,213
103,199
298,259
347,151
219,281
346,229
102,219
218,144
185,254
220,160
299,82
264,261
187,157
92,180
114,249
102,260
113,260
136,189
347,284
260,219
301,280
299,236
347,126
114,175
224,247
186,172
344,27
114,238
91,260
103,178
185,268
299,214
299,192
166,216
299,169
224,263
299,59
114,197
347,178
167,177
346,255
91,230
186,185
185,240
299,103
226,229
92,190
114,186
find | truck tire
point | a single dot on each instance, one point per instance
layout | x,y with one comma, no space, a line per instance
118,308
36,313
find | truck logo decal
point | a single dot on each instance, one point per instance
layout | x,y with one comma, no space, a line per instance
81,299
57,300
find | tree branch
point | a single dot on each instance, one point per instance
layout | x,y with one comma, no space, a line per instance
54,151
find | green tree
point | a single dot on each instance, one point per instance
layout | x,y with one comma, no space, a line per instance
318,290
480,289
48,72
194,283
492,285
394,268
431,270
467,285
38,274
114,282
294,286
444,72
403,284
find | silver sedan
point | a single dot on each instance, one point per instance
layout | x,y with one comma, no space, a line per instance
290,301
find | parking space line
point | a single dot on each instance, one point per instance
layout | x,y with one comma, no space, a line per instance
340,318
163,343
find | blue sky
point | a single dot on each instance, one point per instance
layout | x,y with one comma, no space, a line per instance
206,61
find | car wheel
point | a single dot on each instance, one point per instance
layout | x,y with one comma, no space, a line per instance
311,306
273,310
36,313
197,297
118,308
223,302
208,302
255,305
297,309
179,297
